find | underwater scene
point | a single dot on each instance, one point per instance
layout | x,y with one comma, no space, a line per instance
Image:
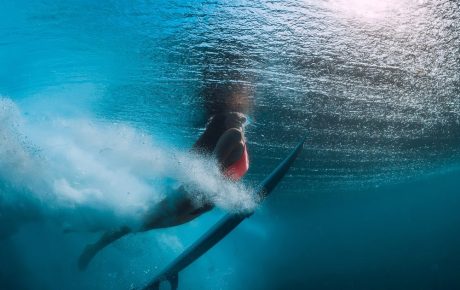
128,129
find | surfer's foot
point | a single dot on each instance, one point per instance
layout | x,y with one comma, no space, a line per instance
86,257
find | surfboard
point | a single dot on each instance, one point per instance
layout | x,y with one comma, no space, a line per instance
222,228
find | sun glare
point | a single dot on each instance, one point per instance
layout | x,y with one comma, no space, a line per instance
366,9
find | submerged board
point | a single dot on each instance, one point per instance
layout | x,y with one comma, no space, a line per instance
221,228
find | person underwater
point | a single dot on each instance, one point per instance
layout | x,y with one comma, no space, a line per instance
224,139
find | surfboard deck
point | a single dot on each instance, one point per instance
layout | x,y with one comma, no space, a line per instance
221,229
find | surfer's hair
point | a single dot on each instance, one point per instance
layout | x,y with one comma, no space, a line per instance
216,126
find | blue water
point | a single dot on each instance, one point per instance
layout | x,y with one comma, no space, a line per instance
100,101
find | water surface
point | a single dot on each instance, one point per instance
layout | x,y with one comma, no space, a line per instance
371,203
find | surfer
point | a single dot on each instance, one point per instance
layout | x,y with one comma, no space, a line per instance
224,139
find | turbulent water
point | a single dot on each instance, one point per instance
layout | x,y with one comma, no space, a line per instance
101,100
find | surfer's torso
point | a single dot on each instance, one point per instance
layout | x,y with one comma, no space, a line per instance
238,169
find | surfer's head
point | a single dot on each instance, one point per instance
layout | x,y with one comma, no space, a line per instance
224,121
235,120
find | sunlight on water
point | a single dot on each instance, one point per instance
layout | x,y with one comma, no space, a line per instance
368,10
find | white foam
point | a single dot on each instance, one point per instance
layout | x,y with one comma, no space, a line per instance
90,175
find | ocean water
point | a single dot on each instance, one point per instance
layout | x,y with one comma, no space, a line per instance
100,102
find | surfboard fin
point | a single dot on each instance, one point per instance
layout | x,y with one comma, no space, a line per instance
173,282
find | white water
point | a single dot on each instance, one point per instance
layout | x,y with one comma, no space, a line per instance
88,175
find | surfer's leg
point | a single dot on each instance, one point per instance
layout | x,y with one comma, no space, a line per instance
92,249
175,209
171,211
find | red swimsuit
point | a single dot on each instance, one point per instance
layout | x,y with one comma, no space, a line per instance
237,170
234,172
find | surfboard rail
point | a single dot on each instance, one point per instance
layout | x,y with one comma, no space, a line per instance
222,228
